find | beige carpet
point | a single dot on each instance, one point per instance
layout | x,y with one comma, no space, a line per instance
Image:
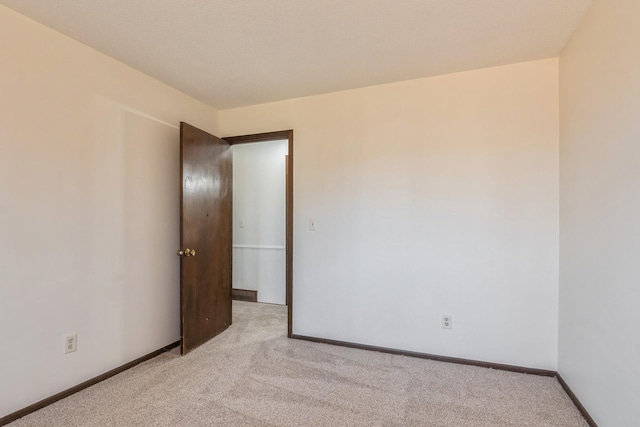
252,375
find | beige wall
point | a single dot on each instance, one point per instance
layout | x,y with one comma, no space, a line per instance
432,196
599,352
89,178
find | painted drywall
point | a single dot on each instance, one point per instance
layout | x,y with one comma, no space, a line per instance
599,347
432,196
259,193
89,178
259,201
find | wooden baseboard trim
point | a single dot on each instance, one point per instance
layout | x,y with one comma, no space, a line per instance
244,295
68,392
576,401
511,368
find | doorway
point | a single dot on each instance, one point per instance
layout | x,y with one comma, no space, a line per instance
206,228
255,241
259,265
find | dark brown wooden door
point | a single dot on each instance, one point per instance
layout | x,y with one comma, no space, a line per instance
205,227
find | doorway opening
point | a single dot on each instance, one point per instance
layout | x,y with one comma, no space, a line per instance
259,264
262,227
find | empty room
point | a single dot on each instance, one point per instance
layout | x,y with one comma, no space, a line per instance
453,233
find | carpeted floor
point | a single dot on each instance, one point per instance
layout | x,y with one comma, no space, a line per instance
252,375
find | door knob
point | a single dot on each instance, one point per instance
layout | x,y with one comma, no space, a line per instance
186,252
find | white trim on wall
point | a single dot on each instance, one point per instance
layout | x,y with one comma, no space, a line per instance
260,247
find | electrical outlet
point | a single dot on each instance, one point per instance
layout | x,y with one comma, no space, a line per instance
70,343
447,321
241,223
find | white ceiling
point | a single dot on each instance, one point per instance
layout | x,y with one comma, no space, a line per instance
231,53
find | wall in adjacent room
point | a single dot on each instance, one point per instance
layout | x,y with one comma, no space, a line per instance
433,196
599,346
259,201
89,213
